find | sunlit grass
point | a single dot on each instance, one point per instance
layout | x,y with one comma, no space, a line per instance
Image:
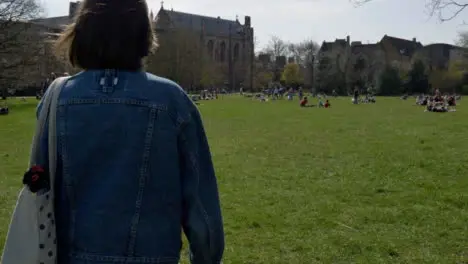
377,183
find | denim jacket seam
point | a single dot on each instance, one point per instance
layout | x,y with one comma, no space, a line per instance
67,181
75,101
176,118
194,166
123,259
142,180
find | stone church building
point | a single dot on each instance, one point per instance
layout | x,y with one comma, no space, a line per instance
228,44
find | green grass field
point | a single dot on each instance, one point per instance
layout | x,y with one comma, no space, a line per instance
377,183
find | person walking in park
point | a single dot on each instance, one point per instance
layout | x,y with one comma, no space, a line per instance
133,162
356,96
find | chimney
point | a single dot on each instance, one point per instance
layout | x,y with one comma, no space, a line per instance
348,39
247,21
414,39
73,8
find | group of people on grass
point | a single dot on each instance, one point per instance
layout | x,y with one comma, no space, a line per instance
366,99
437,102
206,95
280,92
305,103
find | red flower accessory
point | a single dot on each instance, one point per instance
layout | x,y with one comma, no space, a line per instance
37,179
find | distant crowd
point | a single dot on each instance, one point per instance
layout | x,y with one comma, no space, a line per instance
438,102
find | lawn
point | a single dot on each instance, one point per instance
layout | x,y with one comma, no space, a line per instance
377,183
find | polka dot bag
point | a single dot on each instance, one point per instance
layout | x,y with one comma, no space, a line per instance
31,237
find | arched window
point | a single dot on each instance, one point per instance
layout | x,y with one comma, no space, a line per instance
236,51
210,47
222,52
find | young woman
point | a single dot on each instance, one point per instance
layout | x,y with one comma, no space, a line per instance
134,165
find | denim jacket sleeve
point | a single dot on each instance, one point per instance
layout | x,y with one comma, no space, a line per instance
202,221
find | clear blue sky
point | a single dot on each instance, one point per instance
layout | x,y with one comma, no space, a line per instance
295,20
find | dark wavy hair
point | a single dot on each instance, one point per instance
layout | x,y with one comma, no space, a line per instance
109,34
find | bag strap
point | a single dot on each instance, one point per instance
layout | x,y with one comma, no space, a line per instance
40,127
52,135
46,114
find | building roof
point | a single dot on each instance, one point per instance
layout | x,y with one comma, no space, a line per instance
211,25
358,48
326,46
341,42
53,22
406,47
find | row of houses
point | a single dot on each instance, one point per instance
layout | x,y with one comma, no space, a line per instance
344,64
353,63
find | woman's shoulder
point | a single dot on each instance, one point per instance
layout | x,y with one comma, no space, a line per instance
165,85
161,80
170,90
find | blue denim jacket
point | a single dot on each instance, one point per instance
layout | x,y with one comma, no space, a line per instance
134,169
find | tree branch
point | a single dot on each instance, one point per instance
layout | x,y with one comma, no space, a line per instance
445,10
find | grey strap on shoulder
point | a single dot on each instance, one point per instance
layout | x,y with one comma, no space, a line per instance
60,83
48,115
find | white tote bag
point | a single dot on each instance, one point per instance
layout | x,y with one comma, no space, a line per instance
31,235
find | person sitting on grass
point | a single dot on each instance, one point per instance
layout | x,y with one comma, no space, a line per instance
327,104
304,102
440,107
435,106
452,101
421,100
321,104
261,97
4,110
290,94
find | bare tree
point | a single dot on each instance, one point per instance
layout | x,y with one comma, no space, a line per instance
304,54
277,47
20,41
462,39
445,10
459,62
